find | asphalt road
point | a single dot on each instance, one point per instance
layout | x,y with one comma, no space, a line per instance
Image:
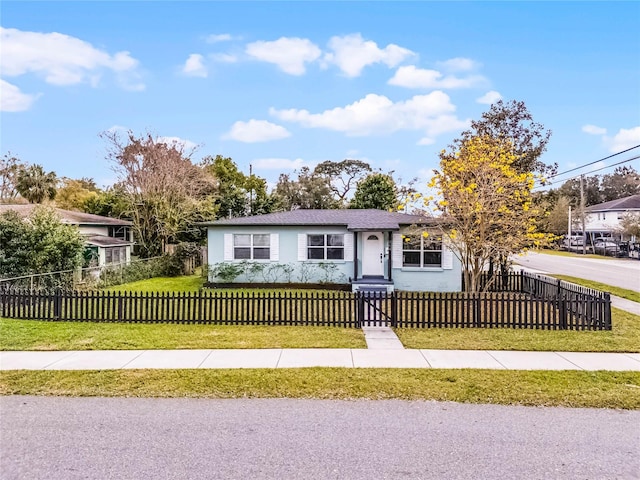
99,438
624,273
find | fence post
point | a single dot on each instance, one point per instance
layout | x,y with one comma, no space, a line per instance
607,311
394,310
562,306
57,304
359,309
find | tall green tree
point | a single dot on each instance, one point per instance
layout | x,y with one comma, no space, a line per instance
342,177
623,182
36,185
73,194
40,243
512,122
236,194
309,190
590,186
378,191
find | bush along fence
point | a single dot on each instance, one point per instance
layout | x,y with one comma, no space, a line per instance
534,302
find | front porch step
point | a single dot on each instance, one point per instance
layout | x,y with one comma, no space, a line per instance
372,285
381,338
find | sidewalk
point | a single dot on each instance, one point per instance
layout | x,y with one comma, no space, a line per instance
311,357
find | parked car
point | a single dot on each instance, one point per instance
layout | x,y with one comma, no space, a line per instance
574,243
606,246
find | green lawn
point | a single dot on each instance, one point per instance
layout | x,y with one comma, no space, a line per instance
562,253
548,388
191,283
39,335
624,337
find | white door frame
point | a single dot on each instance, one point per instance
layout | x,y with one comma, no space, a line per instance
372,253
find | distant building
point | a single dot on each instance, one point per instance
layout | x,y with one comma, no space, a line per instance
107,240
603,220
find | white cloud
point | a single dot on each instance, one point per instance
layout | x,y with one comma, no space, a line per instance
63,60
439,125
278,163
221,37
180,143
459,64
290,54
594,130
223,57
426,141
255,131
624,139
194,66
412,77
351,53
377,114
13,100
117,129
489,97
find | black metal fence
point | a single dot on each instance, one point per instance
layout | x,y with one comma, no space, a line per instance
527,301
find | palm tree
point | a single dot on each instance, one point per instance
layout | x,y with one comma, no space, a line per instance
35,185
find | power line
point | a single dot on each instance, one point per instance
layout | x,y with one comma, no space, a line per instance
596,161
592,171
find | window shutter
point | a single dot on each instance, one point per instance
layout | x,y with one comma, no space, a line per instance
447,256
302,247
348,247
396,250
274,246
228,247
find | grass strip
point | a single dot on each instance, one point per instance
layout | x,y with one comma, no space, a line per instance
40,335
548,388
190,283
617,291
624,337
560,253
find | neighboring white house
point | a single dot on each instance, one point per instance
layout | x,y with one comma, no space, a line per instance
368,249
604,219
109,240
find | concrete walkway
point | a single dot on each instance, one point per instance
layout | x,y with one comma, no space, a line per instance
311,357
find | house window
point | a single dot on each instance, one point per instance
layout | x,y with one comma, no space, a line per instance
419,251
247,246
325,247
115,255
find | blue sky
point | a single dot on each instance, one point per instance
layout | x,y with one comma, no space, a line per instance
280,85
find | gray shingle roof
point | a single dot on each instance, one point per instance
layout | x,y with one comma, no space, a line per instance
353,219
627,203
68,216
104,241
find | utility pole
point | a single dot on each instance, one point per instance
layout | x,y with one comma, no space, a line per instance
569,230
251,191
582,215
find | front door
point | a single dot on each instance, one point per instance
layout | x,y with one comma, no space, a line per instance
372,253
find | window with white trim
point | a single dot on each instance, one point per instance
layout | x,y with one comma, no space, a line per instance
325,246
420,251
251,246
115,255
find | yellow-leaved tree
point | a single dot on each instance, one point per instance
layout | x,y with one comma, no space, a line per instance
486,204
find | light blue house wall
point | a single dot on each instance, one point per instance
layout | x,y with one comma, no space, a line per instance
304,271
289,251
